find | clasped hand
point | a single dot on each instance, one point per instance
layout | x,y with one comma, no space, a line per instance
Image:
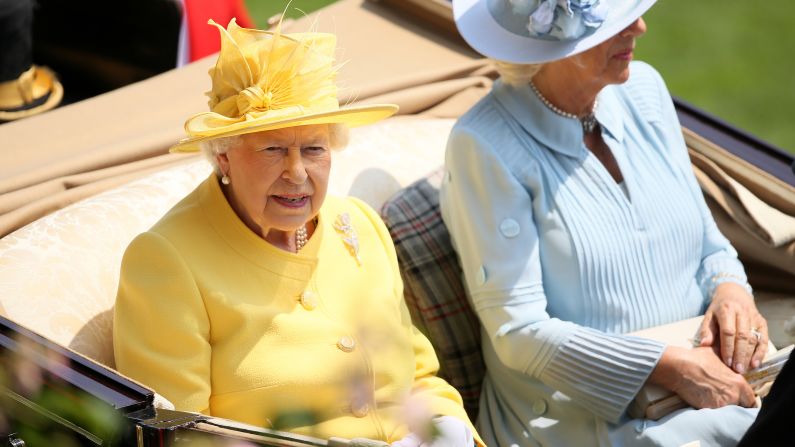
701,379
733,339
734,328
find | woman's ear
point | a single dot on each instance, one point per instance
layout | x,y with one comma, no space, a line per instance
223,163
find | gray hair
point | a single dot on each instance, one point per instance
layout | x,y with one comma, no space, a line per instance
338,139
517,74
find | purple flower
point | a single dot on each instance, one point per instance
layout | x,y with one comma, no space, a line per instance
540,22
593,12
568,27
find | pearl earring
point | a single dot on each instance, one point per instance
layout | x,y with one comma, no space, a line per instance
225,180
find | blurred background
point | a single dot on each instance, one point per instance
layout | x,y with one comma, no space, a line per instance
734,59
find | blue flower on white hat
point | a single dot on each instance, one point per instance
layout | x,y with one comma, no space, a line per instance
540,22
538,31
593,12
562,20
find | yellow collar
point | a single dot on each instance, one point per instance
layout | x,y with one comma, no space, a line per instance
238,236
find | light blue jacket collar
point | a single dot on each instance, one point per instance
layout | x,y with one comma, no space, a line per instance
559,133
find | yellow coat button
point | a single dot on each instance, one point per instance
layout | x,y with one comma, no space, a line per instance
346,344
360,411
308,300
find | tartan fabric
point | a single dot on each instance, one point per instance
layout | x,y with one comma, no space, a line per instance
433,287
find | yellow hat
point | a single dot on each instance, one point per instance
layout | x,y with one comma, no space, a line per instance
35,91
265,80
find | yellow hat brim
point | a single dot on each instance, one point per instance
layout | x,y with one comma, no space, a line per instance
351,116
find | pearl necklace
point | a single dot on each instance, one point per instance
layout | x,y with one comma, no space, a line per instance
300,238
588,121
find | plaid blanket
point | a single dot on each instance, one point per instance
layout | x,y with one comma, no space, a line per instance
433,287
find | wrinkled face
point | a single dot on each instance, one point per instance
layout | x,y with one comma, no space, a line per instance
608,62
278,178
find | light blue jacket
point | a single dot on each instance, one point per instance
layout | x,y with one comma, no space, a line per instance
560,261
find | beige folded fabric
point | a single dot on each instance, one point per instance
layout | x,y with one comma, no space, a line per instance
762,184
770,225
753,209
57,158
51,160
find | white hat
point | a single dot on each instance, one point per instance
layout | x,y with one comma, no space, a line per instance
536,31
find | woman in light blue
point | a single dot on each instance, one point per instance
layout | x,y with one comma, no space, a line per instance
575,213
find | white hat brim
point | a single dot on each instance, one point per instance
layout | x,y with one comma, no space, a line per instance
484,34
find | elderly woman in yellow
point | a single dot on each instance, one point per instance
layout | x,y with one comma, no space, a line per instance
258,296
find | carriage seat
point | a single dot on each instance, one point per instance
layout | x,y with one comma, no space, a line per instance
433,286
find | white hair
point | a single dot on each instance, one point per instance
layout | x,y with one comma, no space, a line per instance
517,74
338,139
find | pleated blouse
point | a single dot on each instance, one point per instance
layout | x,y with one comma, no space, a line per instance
560,260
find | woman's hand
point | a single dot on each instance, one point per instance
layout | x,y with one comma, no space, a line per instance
448,431
700,378
735,328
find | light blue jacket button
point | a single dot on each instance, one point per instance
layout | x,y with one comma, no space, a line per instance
480,278
539,407
509,228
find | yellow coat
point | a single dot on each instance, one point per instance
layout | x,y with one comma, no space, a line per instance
221,322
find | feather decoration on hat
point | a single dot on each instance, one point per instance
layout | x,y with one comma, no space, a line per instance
265,80
266,71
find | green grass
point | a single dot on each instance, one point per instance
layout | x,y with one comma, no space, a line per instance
735,59
262,10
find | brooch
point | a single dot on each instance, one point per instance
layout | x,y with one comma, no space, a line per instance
349,236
